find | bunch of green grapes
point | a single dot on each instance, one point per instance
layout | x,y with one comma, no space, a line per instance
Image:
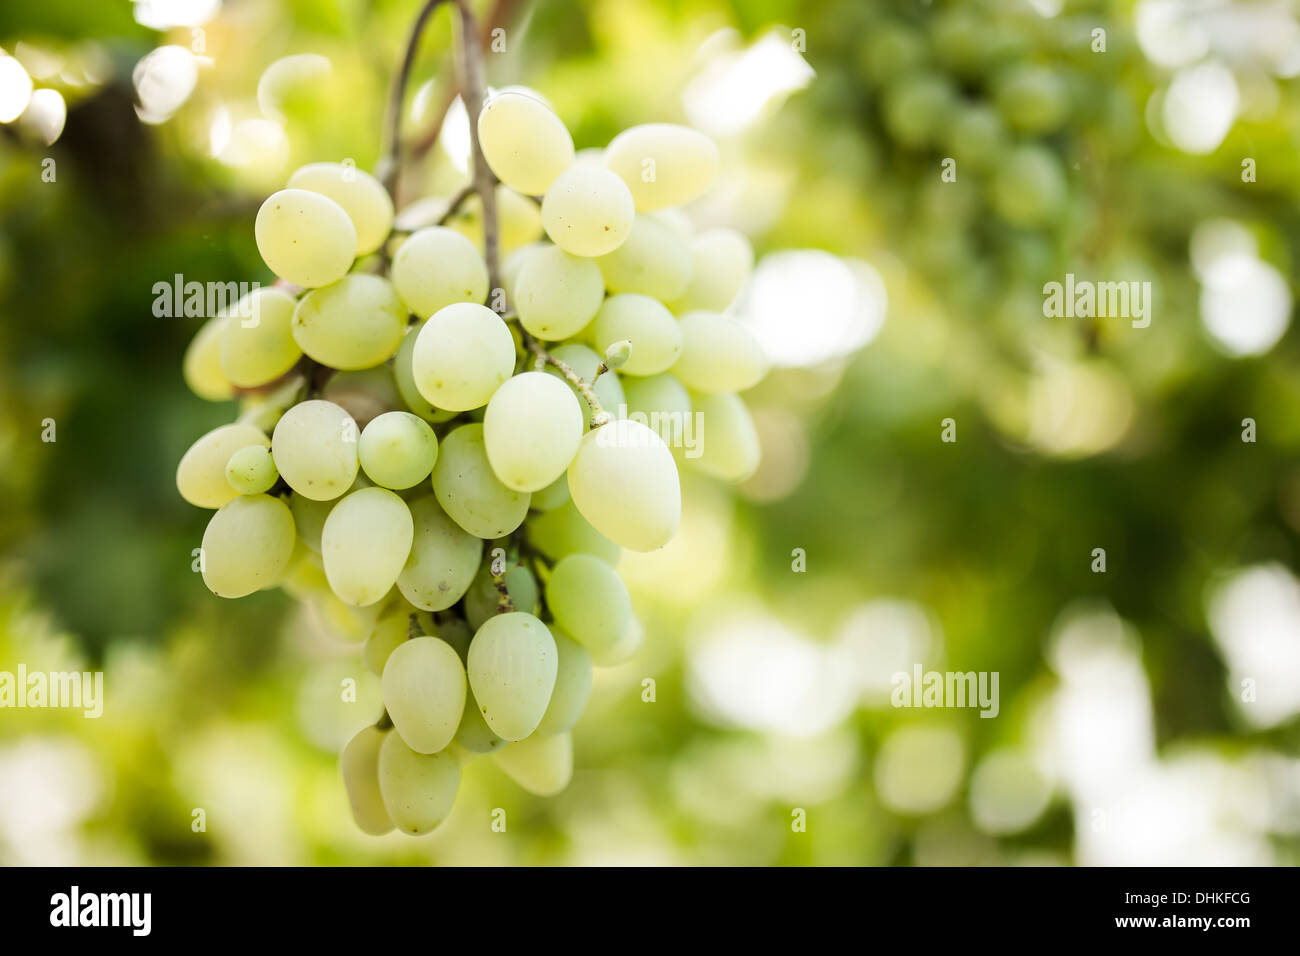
448,471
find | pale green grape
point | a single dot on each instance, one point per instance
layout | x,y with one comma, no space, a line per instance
519,221
201,474
397,450
201,367
512,667
552,496
309,516
463,354
572,686
589,600
360,765
437,266
1029,186
247,545
474,734
654,260
663,164
1032,98
315,448
470,492
342,621
531,430
257,344
305,238
587,211
251,471
718,354
424,692
404,376
563,531
722,260
362,196
524,142
646,323
389,633
443,558
365,543
918,108
556,294
585,362
728,446
624,482
623,649
482,600
365,394
513,263
660,395
304,577
541,765
458,634
357,322
418,789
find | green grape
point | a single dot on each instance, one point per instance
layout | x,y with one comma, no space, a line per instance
563,531
247,545
304,577
623,649
470,492
718,354
624,482
309,516
482,600
443,558
424,693
257,344
463,354
556,294
437,266
362,196
918,109
341,621
1032,98
572,686
1029,187
721,261
589,600
587,211
891,49
977,136
360,765
355,323
474,734
552,496
365,394
541,765
418,789
251,471
201,367
663,164
512,667
514,262
365,542
201,474
404,376
728,445
315,448
305,238
458,634
531,430
645,322
660,395
390,632
397,450
654,260
519,221
585,362
524,142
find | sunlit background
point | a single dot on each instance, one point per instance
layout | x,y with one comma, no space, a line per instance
1148,714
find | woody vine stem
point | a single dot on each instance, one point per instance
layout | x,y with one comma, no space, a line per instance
484,182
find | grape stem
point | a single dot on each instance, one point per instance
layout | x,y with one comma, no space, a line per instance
396,96
456,202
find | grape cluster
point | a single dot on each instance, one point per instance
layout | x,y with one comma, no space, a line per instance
392,423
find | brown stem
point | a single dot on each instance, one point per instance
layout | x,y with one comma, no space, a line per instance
454,204
472,85
397,96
